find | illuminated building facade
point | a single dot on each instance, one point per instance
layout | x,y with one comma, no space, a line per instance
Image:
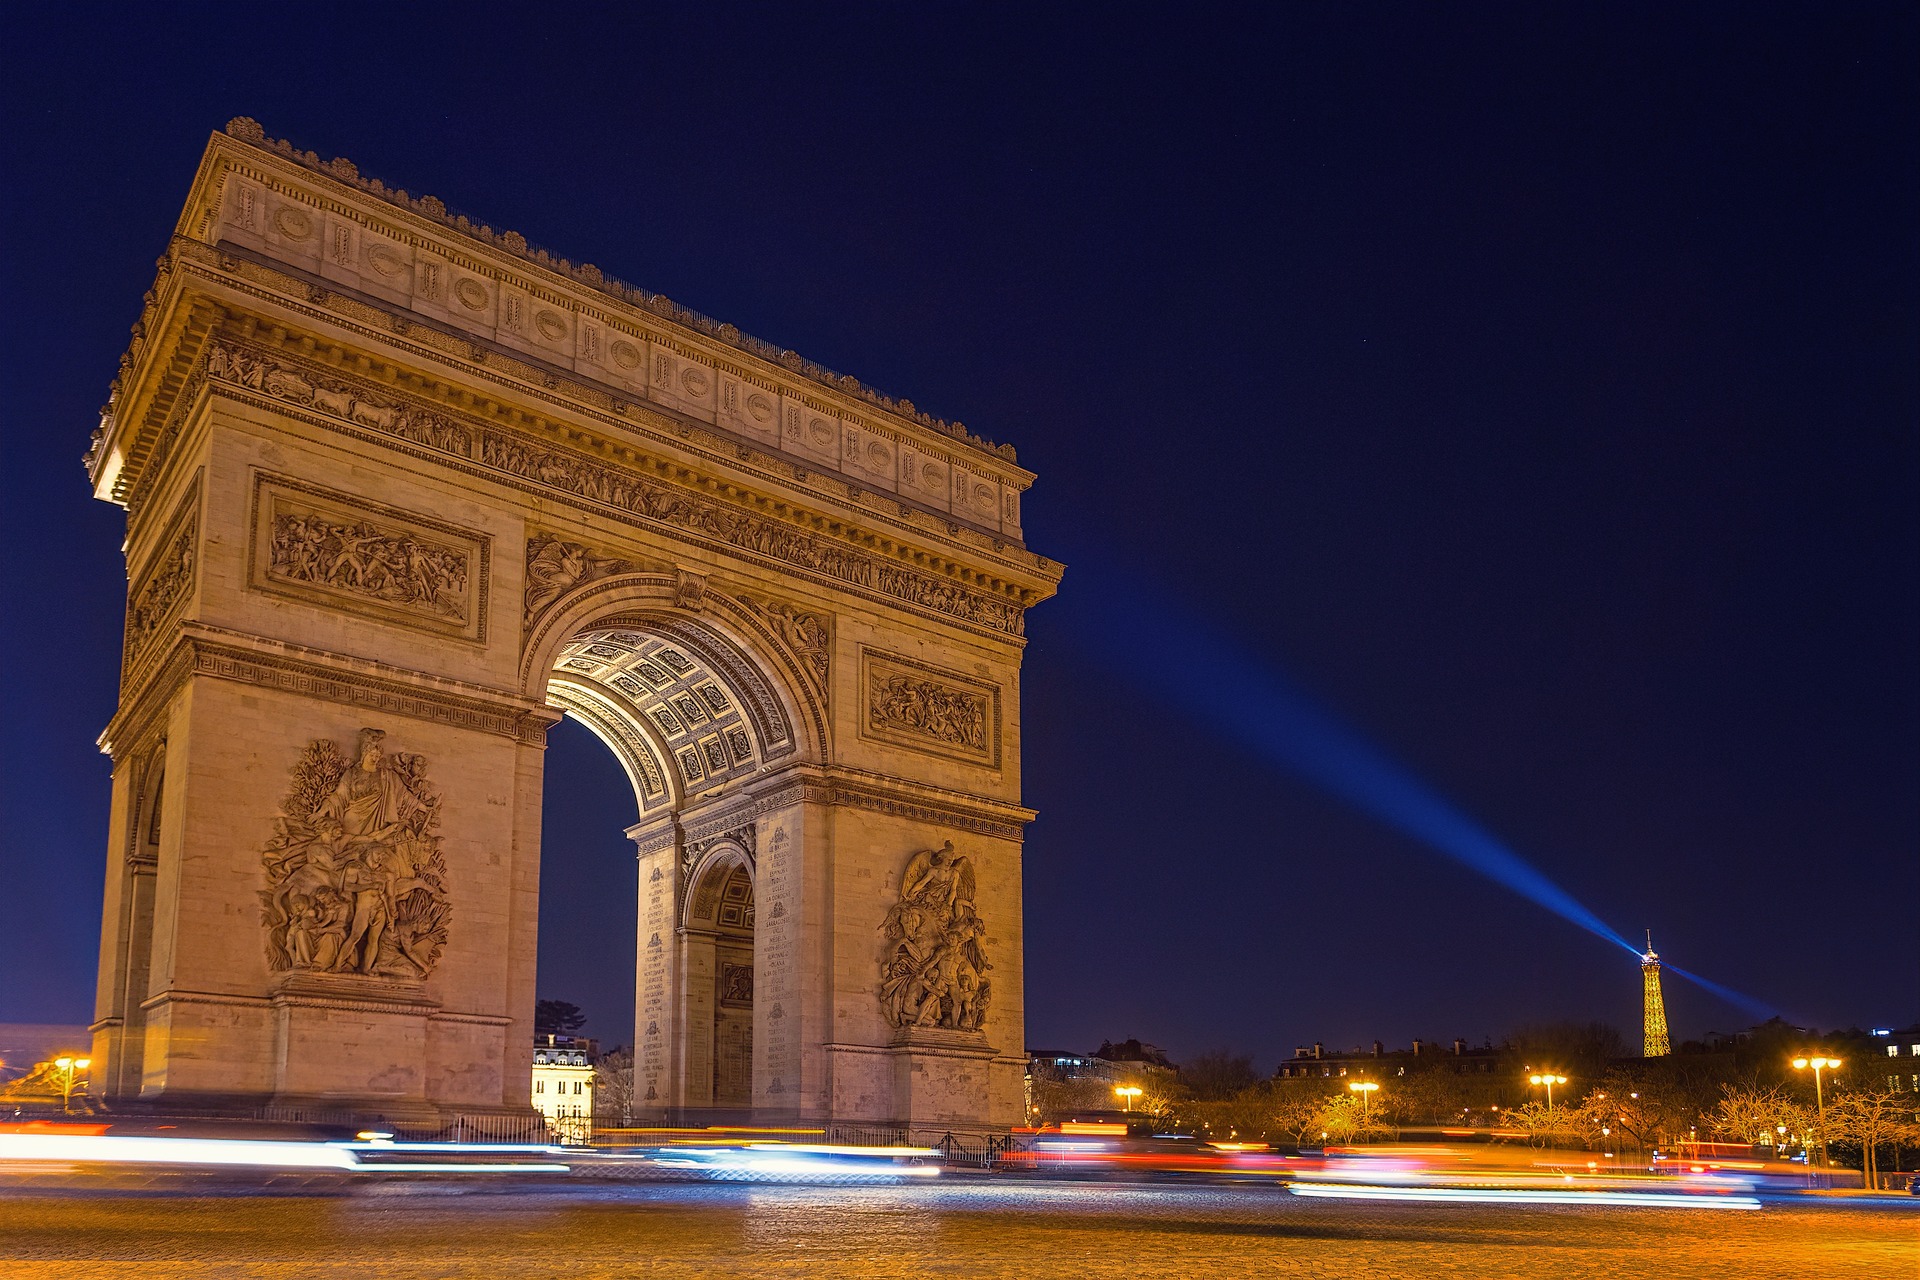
563,1071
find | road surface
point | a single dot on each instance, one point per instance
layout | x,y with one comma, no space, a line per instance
958,1227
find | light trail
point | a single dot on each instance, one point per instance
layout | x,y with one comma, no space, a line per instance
253,1153
1475,1195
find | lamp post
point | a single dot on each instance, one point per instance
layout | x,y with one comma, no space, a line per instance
69,1065
1819,1098
1549,1081
1365,1088
1127,1092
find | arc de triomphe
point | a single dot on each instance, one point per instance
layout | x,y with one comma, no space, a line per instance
400,493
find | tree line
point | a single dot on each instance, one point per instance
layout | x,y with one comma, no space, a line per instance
1748,1095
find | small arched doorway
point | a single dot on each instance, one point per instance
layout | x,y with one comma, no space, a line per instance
717,958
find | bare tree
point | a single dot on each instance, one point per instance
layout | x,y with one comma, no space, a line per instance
1346,1119
1870,1119
1769,1117
1552,1126
613,1088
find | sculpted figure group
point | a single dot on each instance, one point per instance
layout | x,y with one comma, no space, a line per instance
950,715
396,567
356,879
935,971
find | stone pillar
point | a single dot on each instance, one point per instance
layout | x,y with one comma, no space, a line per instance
656,1005
939,1081
791,997
115,1071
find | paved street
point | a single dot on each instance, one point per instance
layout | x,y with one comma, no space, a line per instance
957,1228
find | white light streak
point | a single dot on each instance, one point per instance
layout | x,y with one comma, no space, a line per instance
1473,1195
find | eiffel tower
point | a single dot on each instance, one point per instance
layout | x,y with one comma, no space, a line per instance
1654,1033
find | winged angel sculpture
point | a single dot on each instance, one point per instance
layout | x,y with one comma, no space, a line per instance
935,971
356,880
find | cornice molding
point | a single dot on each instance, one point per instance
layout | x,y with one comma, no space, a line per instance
712,516
125,462
204,650
245,137
857,789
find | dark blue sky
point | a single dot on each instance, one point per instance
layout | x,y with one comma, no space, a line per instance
1537,386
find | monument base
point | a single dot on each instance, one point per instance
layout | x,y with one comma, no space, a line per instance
343,1039
940,1079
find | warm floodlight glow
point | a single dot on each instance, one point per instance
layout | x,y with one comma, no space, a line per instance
1819,1097
1363,1086
65,1063
1548,1079
1127,1092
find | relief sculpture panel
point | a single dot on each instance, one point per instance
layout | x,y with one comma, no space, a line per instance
935,971
809,635
168,580
356,880
926,708
333,549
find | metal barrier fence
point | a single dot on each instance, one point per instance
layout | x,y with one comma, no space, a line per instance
853,1135
985,1153
459,1128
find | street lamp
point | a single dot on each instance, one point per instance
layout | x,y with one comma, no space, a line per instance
1819,1099
1365,1088
1549,1081
68,1066
1127,1092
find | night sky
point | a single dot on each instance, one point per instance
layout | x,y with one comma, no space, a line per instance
1535,387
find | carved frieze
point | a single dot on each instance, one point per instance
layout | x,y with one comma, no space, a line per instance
356,881
167,579
344,552
556,566
929,709
336,396
935,970
809,635
607,485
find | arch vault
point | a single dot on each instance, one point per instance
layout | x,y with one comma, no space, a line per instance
400,494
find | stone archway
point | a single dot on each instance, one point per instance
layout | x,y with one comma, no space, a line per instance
717,956
401,493
700,706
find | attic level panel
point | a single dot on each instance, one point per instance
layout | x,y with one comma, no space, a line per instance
328,231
